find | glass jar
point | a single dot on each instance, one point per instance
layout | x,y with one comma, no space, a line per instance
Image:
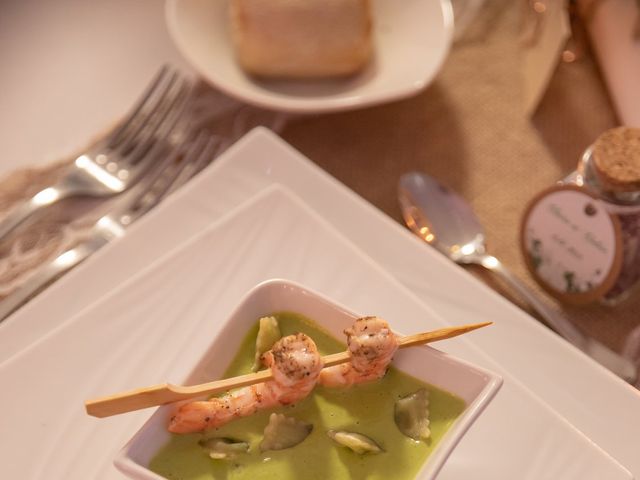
610,169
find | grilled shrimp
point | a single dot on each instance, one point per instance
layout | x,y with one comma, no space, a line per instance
371,344
295,363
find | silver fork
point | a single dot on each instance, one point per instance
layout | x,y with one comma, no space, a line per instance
179,165
117,162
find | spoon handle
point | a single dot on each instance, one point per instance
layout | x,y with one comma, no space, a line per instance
596,350
560,324
619,365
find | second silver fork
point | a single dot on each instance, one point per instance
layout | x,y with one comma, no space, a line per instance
179,165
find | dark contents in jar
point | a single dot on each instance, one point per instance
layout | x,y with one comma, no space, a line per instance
611,169
630,272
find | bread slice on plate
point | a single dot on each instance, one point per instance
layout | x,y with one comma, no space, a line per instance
301,38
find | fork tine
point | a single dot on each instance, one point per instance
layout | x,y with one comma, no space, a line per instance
156,107
164,120
208,154
172,166
156,138
126,123
196,163
192,154
166,124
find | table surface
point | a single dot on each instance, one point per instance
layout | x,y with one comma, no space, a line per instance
466,128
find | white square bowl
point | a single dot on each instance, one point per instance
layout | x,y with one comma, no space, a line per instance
476,386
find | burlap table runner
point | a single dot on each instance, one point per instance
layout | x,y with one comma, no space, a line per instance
466,128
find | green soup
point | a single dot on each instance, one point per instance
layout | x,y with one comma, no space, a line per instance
366,409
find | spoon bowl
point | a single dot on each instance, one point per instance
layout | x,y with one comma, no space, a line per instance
440,217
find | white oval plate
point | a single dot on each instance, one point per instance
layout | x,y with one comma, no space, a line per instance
411,43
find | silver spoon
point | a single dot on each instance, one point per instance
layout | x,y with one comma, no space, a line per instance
443,219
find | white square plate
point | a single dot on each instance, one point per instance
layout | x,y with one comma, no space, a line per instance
159,322
474,385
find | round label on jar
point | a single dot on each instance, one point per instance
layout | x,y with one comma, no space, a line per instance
571,244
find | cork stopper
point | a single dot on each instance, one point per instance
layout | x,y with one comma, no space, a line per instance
616,158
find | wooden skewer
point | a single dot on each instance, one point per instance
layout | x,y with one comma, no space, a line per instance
166,393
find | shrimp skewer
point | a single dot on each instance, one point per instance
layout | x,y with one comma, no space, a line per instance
295,363
371,344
